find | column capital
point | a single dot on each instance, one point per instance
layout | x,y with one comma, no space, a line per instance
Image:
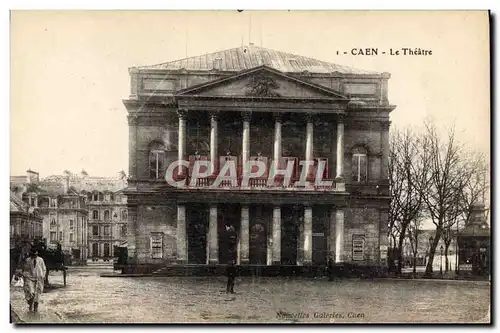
340,118
214,115
310,117
182,113
385,125
246,116
278,117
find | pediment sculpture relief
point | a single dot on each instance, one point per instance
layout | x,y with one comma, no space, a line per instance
262,86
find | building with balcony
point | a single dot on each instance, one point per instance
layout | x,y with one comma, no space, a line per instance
62,209
107,208
325,123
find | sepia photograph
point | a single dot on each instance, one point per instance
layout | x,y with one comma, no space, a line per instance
250,167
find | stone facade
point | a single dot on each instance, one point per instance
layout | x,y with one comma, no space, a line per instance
63,211
107,212
210,111
87,215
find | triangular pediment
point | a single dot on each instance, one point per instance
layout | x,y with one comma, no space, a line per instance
261,82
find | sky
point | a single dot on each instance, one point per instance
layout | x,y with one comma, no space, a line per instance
69,71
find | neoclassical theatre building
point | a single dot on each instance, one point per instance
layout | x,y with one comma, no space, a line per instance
256,104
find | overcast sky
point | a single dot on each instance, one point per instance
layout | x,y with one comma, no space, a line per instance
69,71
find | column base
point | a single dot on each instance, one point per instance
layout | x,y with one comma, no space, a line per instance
213,262
276,263
244,261
181,261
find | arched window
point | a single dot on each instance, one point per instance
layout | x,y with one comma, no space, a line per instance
53,223
124,214
106,250
95,215
359,165
156,160
106,215
95,196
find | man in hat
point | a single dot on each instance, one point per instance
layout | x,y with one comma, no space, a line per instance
34,277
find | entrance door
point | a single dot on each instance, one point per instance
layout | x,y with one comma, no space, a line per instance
258,244
95,250
319,244
197,228
229,216
289,234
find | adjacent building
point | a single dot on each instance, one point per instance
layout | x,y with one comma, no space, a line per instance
25,223
86,215
107,209
255,104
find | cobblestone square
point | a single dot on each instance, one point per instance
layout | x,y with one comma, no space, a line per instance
89,298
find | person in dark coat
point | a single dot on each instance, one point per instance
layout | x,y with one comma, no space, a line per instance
231,276
330,269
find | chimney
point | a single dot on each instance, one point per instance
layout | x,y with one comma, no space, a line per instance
66,176
32,177
217,65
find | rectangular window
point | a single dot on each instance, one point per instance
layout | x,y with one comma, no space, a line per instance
358,247
53,202
60,236
71,224
95,230
71,238
53,236
106,231
124,230
157,245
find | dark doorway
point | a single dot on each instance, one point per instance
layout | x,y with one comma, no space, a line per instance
319,233
197,228
259,227
290,217
229,216
95,250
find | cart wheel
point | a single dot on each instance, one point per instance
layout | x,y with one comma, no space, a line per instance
64,276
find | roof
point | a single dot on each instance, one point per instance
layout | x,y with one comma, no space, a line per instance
54,188
247,57
17,205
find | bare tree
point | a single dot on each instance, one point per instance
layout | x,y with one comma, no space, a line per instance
444,181
414,231
407,168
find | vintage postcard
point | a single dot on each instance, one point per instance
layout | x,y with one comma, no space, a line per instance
250,167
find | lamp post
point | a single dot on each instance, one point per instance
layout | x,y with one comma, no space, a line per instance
441,261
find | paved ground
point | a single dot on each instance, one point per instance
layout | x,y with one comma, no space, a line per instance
89,298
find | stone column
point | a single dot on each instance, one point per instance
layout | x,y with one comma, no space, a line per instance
307,238
384,147
213,238
245,155
332,233
339,236
309,138
181,234
244,235
340,148
276,235
277,137
214,119
182,139
132,146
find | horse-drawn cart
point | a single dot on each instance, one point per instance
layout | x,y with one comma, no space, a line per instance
53,258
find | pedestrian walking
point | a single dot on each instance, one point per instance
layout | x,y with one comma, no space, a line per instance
34,277
231,276
330,268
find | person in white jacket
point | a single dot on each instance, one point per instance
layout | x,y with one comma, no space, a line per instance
34,277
